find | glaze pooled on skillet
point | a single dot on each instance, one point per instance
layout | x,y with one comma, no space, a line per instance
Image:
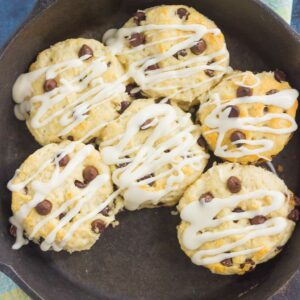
154,153
62,197
249,117
235,217
70,89
171,51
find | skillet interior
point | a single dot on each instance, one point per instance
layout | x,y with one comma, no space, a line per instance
141,258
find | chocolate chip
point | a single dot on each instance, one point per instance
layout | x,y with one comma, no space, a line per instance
210,73
199,48
266,109
124,106
182,13
206,197
152,67
138,17
236,136
249,261
243,91
105,211
89,173
62,215
49,85
193,111
12,230
201,142
238,210
258,220
137,39
98,226
227,262
279,75
294,215
123,165
64,161
134,91
70,138
234,184
85,50
297,200
234,111
145,126
92,140
147,177
80,184
44,207
271,92
115,187
180,53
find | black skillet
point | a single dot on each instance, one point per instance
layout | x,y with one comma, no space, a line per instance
141,258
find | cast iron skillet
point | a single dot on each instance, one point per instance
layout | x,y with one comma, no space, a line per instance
141,258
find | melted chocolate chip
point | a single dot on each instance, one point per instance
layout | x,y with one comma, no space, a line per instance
134,91
234,184
44,207
105,211
294,215
266,109
138,17
182,13
279,75
243,91
64,161
147,177
199,48
258,220
234,111
236,136
62,215
238,210
12,230
180,53
271,92
98,226
210,73
70,138
137,39
249,261
124,106
80,184
206,197
201,142
193,111
85,50
49,85
89,173
145,126
92,141
152,67
227,262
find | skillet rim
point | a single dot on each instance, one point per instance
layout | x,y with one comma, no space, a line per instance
39,10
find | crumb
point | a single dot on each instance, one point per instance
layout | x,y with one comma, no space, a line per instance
280,168
115,223
174,212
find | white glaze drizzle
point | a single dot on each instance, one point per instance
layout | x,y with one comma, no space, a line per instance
89,86
200,216
117,40
220,122
149,157
42,189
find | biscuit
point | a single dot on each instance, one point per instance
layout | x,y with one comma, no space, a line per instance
235,217
249,117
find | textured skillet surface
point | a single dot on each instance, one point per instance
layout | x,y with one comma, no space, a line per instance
141,259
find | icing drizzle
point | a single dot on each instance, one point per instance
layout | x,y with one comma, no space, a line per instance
200,216
42,189
164,154
220,122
